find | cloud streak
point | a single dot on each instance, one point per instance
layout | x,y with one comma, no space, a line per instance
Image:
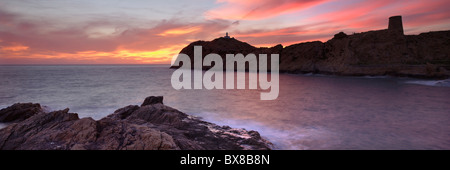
332,17
258,9
157,44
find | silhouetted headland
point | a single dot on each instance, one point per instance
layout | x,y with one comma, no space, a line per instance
372,53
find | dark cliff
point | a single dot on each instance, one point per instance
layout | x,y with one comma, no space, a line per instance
223,46
373,53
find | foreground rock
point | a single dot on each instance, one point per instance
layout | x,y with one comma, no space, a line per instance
19,112
152,126
380,52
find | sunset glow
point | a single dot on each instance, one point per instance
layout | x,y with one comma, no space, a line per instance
179,31
150,32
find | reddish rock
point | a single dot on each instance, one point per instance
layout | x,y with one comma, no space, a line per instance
19,112
149,127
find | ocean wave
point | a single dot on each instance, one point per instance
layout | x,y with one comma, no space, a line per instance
375,77
439,83
282,136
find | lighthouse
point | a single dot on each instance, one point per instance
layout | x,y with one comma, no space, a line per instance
226,36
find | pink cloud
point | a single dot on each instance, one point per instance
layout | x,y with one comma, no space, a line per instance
157,37
357,17
75,40
258,9
367,15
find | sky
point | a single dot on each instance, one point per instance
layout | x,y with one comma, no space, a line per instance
152,32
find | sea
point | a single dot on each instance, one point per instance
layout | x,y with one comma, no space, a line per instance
312,111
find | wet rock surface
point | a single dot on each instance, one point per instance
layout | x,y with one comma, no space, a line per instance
148,127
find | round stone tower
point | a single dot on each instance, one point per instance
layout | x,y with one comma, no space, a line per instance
395,24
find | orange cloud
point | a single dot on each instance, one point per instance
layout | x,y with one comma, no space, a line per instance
14,48
157,56
77,45
180,31
119,56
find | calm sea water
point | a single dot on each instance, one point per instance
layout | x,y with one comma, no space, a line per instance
311,112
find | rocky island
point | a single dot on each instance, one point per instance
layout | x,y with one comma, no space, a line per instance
151,126
373,53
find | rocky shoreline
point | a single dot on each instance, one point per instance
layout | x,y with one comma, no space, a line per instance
151,126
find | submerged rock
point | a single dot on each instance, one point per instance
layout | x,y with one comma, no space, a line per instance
153,126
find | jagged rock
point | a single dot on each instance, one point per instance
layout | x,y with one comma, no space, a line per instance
122,113
19,112
149,127
152,100
340,35
189,132
122,135
41,131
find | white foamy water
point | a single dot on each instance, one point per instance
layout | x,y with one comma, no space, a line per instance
2,125
443,83
311,112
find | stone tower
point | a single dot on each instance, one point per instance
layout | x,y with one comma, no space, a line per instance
395,24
